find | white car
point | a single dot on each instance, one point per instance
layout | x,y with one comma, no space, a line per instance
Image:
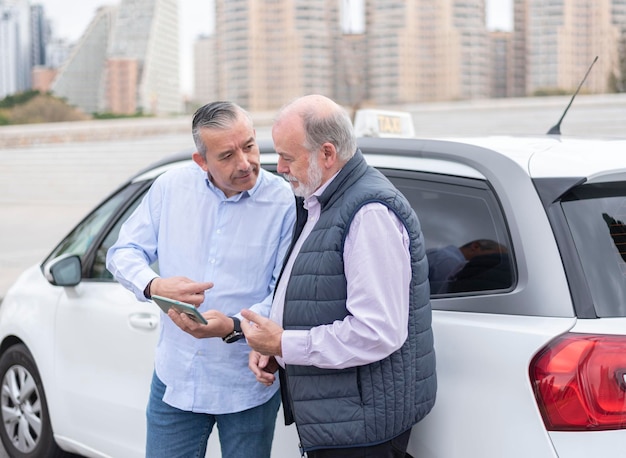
530,337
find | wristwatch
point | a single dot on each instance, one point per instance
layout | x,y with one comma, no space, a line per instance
237,332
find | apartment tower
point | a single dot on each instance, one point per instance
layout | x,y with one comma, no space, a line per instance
563,37
269,52
80,79
126,62
15,47
501,60
204,70
359,52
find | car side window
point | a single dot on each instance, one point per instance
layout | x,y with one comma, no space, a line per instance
99,270
466,238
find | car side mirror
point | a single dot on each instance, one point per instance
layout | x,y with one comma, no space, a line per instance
64,270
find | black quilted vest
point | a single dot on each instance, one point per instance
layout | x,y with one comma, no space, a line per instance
368,404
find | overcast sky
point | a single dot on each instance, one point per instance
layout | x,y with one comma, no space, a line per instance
70,18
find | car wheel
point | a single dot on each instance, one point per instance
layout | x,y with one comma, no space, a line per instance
25,430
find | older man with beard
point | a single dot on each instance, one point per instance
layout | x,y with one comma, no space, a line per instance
350,326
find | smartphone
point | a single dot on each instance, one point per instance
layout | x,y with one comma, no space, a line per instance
165,303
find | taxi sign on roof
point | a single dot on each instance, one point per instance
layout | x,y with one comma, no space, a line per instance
383,123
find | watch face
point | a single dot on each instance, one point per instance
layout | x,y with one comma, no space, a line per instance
234,337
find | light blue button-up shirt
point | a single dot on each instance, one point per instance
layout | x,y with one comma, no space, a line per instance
238,243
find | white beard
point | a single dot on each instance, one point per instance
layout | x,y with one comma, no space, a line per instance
314,180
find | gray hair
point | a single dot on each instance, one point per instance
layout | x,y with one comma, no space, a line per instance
215,115
335,128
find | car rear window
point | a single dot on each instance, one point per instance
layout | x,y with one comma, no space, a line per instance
596,215
466,237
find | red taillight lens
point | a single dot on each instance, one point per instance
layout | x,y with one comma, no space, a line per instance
579,382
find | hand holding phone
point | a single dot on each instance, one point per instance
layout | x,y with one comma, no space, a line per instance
166,303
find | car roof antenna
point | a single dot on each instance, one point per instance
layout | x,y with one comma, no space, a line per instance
556,129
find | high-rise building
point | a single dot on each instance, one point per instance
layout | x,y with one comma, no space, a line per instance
272,51
421,50
357,51
387,52
40,33
518,48
350,55
127,61
204,70
146,31
80,79
15,47
563,37
44,70
618,13
501,59
57,52
43,78
474,66
619,19
122,77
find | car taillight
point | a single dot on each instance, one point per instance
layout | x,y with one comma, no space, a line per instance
580,382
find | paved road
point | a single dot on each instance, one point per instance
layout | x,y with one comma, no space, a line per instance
45,190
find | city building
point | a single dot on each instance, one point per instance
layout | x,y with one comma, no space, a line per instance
563,37
501,60
15,47
350,84
518,49
57,52
146,31
43,78
360,52
421,50
270,52
126,62
445,50
80,80
204,70
122,77
40,35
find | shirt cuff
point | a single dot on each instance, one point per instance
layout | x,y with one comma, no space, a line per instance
295,347
140,282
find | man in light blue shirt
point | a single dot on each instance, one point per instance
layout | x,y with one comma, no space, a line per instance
219,228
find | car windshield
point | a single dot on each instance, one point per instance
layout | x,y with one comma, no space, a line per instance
596,215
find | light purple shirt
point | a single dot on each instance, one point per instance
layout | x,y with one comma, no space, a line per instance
378,272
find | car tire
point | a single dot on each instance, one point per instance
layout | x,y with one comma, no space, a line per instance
25,427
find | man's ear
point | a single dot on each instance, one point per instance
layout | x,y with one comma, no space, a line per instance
329,155
200,160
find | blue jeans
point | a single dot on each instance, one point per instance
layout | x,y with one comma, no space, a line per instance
178,433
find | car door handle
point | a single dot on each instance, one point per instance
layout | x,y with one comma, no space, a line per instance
144,321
